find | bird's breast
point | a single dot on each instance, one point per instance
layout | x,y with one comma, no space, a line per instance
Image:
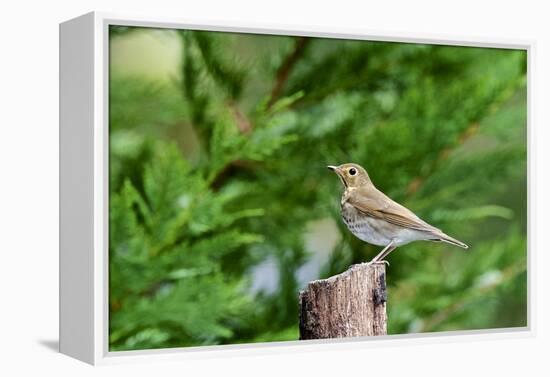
377,231
364,227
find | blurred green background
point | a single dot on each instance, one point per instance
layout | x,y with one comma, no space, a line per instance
222,209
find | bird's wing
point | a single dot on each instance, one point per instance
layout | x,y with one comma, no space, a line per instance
374,203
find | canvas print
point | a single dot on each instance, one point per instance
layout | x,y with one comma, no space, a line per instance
267,188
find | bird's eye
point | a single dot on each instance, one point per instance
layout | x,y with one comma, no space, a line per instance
352,171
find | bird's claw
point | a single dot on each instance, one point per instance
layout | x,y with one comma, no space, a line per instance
380,261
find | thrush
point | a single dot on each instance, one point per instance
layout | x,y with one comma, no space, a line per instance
374,218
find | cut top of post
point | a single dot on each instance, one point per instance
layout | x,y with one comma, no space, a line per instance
350,304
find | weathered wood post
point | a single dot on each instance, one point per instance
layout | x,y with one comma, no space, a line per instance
352,303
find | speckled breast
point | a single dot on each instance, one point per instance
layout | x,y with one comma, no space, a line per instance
364,227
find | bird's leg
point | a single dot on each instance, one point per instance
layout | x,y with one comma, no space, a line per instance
384,253
383,257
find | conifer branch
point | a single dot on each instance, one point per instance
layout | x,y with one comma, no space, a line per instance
229,170
243,124
417,182
508,274
283,73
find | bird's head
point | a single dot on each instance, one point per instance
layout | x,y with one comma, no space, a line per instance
351,175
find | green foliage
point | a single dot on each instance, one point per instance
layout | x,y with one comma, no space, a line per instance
214,184
167,247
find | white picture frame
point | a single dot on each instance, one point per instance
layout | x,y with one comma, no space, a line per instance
84,190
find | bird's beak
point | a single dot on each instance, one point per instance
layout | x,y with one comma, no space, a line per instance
338,173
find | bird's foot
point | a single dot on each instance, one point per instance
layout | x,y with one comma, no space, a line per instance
380,262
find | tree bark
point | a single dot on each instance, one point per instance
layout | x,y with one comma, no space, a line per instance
352,303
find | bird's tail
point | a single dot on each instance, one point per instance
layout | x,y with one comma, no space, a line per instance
442,237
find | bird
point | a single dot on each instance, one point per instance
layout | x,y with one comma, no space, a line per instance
376,219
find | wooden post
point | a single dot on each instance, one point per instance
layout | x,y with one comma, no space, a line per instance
352,303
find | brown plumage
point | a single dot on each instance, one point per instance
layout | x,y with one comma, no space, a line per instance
375,218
